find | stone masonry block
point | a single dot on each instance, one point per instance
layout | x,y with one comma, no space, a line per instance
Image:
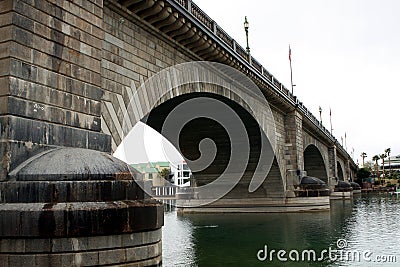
112,256
5,66
10,245
137,253
37,245
6,5
21,260
48,260
4,260
4,86
104,242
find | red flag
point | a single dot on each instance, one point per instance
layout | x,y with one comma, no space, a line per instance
290,54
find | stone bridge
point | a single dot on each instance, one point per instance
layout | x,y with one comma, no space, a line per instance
142,38
68,73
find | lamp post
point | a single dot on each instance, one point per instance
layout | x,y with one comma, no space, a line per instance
320,114
246,28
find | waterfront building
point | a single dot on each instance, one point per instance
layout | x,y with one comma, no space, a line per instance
151,171
179,174
182,175
394,164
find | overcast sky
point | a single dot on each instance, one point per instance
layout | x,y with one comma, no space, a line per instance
345,56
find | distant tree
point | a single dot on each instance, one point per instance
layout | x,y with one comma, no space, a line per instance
369,165
376,158
383,156
363,155
164,173
363,173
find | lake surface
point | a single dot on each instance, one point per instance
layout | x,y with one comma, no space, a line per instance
364,231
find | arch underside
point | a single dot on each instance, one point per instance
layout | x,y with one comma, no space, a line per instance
314,163
202,128
340,172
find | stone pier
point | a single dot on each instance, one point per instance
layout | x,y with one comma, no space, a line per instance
64,200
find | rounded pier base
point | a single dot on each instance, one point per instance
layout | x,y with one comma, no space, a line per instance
77,207
341,195
260,205
136,249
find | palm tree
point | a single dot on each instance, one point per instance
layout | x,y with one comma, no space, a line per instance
376,158
387,151
164,173
363,155
383,156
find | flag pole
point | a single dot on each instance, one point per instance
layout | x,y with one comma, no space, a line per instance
291,72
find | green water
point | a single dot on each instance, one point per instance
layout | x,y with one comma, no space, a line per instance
370,225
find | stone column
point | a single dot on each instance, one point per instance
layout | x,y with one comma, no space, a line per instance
50,78
333,172
293,148
348,171
65,201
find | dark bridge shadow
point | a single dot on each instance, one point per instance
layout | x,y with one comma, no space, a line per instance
314,163
195,131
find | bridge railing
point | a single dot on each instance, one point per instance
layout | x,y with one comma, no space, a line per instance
224,36
256,65
200,15
183,3
241,52
267,74
251,62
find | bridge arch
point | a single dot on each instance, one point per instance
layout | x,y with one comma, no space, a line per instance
314,163
198,129
165,94
340,171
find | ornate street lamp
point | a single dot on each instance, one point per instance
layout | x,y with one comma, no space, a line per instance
320,114
246,28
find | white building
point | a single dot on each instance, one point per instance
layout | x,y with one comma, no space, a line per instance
182,174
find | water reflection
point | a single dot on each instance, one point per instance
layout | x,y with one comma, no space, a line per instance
369,222
374,227
178,244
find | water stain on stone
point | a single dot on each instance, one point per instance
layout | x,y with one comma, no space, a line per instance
47,222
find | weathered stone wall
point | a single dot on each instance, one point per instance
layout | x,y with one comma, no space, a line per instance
132,51
50,97
332,162
50,58
281,145
294,141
